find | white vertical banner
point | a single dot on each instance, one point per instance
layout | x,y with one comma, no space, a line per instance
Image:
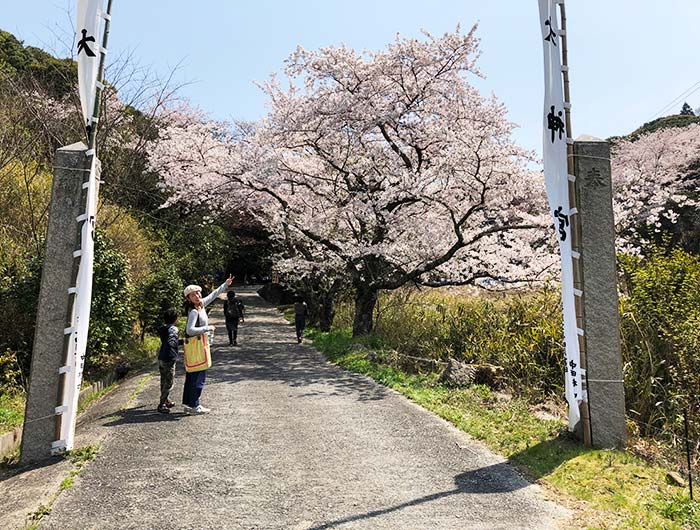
557,182
89,50
89,39
81,314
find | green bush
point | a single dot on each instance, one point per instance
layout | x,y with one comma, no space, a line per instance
111,316
19,295
522,332
660,328
159,290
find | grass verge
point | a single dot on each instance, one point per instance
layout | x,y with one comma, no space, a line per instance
614,490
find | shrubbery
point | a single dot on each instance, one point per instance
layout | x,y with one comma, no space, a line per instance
522,332
660,327
111,315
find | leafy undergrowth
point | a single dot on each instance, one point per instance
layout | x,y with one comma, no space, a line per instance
137,356
11,410
614,489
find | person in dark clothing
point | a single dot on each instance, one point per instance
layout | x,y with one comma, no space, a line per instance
301,311
234,311
167,355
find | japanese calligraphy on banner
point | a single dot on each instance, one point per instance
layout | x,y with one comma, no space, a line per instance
89,50
557,182
89,42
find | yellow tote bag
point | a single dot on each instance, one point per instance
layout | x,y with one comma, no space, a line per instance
197,355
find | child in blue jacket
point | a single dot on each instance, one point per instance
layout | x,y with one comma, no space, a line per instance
167,355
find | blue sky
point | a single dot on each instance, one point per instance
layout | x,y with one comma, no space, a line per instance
628,58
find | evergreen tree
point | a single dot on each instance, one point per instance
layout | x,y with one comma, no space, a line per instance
687,110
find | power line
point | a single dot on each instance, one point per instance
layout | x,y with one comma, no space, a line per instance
688,92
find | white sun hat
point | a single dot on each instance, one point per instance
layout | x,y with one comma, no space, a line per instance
192,289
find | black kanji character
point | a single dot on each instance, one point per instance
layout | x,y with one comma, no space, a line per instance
572,364
555,123
552,37
563,222
82,44
595,178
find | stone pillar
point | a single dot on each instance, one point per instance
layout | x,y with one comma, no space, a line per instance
601,312
41,426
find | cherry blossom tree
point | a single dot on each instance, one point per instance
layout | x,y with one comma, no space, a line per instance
653,178
389,165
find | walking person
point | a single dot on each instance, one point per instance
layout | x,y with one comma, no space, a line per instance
198,324
234,311
167,355
301,311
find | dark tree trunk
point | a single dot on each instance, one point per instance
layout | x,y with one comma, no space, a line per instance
365,300
326,312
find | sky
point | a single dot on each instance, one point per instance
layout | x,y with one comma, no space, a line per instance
628,59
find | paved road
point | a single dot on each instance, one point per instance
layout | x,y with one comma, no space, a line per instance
293,442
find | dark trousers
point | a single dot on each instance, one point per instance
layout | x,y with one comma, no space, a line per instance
300,324
194,384
167,374
232,328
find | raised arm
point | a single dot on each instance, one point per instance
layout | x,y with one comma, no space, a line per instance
222,288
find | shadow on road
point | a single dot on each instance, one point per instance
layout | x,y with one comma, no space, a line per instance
9,470
139,414
268,351
543,458
496,478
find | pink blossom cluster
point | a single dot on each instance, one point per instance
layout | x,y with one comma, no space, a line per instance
387,166
653,177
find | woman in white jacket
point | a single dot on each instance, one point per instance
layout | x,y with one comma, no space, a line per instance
198,324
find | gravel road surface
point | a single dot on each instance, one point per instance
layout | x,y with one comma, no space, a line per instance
293,442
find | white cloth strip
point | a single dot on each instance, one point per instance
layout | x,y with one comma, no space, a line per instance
77,253
64,369
103,50
570,141
89,152
107,16
72,290
81,218
580,331
567,105
61,409
573,211
572,178
99,85
578,292
95,119
58,444
68,331
564,68
575,255
562,32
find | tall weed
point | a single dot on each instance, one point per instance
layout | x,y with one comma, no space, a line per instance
660,329
521,332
